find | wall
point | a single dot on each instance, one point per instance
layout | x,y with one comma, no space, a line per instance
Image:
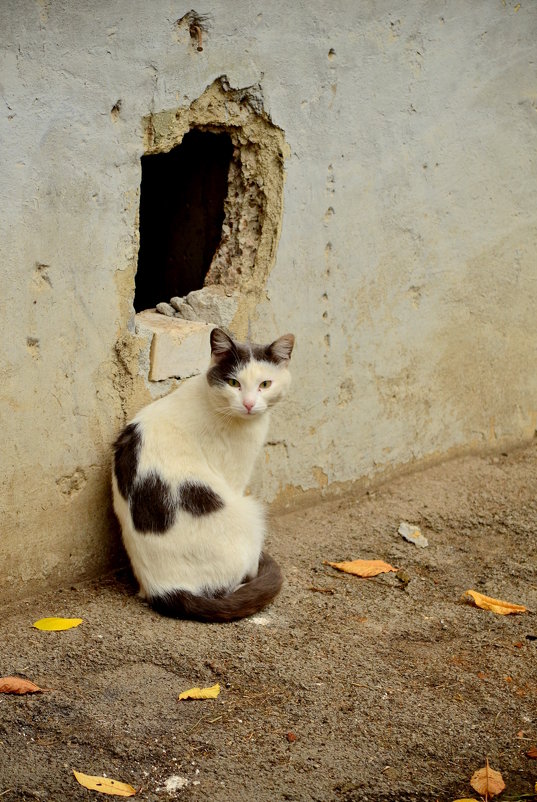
406,255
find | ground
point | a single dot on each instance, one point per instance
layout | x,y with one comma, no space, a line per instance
344,689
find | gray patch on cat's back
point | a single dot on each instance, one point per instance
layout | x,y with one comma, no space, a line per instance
199,499
126,455
153,505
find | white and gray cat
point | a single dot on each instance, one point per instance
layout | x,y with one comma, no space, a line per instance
180,472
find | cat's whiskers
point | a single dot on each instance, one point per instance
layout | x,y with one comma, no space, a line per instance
224,411
224,414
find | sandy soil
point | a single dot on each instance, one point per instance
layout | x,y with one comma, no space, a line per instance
344,689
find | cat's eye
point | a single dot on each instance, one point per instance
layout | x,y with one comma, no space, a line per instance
233,383
265,385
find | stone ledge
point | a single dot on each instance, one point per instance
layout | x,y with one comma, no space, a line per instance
179,348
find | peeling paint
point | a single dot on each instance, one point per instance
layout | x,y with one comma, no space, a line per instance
72,483
320,476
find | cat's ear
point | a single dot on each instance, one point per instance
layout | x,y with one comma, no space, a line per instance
280,350
221,344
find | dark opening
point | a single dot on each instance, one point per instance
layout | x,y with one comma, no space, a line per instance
181,215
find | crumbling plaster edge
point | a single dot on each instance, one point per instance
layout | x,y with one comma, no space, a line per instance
175,349
238,112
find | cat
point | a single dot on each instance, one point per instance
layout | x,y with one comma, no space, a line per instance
180,471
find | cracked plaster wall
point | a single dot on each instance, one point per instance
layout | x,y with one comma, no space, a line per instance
406,255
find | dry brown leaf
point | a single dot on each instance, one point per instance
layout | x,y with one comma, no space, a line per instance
363,568
494,605
532,753
487,782
18,685
104,785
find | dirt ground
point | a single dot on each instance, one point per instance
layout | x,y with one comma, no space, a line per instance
344,689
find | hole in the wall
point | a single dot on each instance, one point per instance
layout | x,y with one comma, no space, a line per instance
211,204
181,214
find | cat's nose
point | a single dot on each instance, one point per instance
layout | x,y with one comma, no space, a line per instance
248,404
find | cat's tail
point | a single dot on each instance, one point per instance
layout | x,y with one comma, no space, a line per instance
246,600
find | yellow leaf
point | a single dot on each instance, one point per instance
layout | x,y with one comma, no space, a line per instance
494,605
104,785
18,685
201,693
487,781
56,624
466,799
363,568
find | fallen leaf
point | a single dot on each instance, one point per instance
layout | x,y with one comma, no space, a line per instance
487,781
56,624
201,693
494,605
363,568
466,799
18,685
532,753
291,737
104,785
412,534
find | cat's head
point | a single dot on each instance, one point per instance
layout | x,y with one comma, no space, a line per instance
246,379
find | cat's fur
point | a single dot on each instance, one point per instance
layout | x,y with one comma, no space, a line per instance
181,468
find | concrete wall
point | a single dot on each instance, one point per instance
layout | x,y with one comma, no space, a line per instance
406,263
